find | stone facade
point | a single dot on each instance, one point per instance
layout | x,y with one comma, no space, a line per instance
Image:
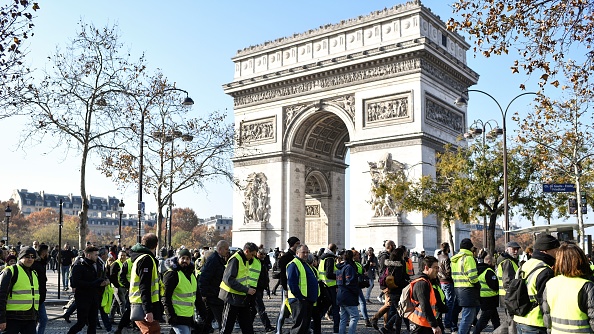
377,86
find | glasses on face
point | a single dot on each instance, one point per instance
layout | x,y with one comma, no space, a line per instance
304,252
30,256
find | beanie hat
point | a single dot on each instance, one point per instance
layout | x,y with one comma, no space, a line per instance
292,241
546,242
466,244
27,251
10,257
184,252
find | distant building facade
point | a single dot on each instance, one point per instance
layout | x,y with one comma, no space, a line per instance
218,223
103,215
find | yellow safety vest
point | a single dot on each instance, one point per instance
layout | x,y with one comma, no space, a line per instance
23,295
486,291
464,273
254,272
184,295
128,273
562,297
500,274
534,317
242,275
322,273
302,279
135,282
359,268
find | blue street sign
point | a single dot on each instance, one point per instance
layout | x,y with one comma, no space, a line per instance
558,188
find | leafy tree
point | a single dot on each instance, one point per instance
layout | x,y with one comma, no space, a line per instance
172,164
16,26
185,219
49,233
469,184
78,104
44,217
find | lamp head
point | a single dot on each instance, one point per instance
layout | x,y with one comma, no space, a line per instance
188,101
461,102
7,211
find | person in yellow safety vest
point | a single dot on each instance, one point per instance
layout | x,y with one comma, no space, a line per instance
123,279
489,295
303,290
423,319
87,280
568,298
144,284
327,274
19,290
466,284
180,299
507,265
543,258
106,291
260,281
235,289
121,293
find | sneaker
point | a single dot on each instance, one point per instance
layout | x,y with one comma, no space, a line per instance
385,330
379,299
367,323
374,324
368,301
66,318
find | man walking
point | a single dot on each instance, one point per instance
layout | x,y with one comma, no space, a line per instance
466,284
66,257
327,274
121,293
283,261
179,300
447,285
423,319
303,290
19,295
540,265
347,297
86,281
39,267
234,290
211,276
259,280
144,284
507,265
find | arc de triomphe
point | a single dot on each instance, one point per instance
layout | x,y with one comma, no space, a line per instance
379,87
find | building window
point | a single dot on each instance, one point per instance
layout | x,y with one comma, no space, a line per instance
444,40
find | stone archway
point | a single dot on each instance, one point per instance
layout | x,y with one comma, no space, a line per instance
379,86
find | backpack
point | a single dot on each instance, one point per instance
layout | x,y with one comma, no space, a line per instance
383,275
406,305
516,300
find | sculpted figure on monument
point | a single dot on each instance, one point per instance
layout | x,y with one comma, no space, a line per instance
383,204
256,199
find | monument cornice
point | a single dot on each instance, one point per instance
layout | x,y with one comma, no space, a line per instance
397,141
289,156
380,68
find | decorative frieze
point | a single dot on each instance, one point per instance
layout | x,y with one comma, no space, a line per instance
437,114
383,172
257,132
256,194
388,109
312,210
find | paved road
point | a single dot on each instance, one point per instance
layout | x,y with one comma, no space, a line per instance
54,309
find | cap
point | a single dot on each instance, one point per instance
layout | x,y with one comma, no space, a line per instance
184,252
546,242
466,244
292,241
513,244
27,251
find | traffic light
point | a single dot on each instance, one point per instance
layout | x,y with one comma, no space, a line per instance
584,203
572,206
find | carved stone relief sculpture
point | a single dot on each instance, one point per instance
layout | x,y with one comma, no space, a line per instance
257,131
256,199
382,204
437,114
394,108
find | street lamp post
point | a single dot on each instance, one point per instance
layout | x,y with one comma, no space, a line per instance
121,206
481,130
463,102
187,102
7,214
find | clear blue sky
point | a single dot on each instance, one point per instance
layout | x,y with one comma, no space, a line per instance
192,43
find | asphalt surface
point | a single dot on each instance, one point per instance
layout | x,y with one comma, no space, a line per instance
59,325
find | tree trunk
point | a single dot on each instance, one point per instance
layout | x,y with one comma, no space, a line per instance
82,231
491,233
450,236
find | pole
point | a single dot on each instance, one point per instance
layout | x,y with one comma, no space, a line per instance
120,232
170,194
59,265
141,162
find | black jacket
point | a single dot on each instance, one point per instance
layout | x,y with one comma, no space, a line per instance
39,267
421,293
545,275
170,280
114,273
211,276
398,270
6,286
445,268
144,269
230,278
86,277
329,264
508,271
283,261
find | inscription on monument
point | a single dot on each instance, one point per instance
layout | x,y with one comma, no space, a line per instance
259,131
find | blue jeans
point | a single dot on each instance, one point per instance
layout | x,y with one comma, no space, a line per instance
42,318
368,292
65,276
181,329
468,314
450,297
362,305
527,329
353,314
284,313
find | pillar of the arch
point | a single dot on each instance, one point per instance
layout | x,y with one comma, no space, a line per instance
336,209
293,218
